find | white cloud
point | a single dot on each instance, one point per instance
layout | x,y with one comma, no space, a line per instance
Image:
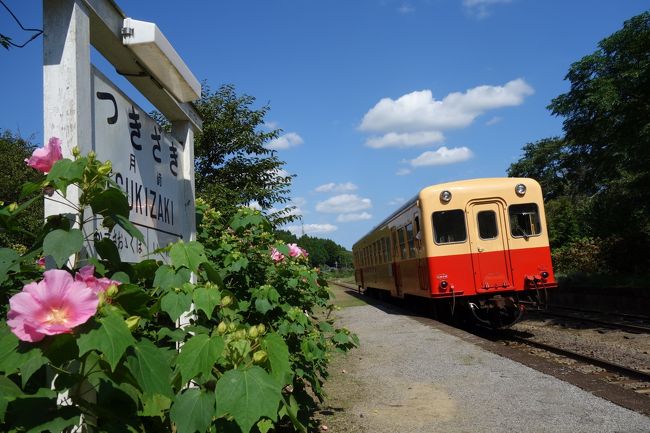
298,230
442,156
405,8
271,125
420,111
350,217
403,171
493,121
290,139
344,203
480,8
333,187
412,139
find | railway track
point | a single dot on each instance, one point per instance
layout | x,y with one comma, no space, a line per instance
633,324
630,378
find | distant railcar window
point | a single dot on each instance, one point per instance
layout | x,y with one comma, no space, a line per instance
387,249
449,226
402,243
487,224
524,220
411,239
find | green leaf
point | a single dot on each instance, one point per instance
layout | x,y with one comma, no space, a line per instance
16,357
247,395
111,338
155,405
129,227
198,356
61,244
150,367
265,425
188,254
167,278
65,171
8,392
192,411
278,353
108,251
206,299
8,262
133,299
175,304
110,202
212,274
263,305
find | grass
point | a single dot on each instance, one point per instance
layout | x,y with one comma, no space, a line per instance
344,297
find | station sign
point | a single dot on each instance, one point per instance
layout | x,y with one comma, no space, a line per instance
147,165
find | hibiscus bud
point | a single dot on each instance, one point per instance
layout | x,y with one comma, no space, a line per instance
240,335
132,322
92,155
226,300
13,206
111,290
260,357
261,329
232,327
222,328
105,168
253,332
76,152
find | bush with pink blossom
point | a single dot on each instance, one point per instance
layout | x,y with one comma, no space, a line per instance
92,343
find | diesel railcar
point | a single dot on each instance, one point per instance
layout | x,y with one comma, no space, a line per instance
476,245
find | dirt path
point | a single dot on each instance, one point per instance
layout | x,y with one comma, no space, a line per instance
409,377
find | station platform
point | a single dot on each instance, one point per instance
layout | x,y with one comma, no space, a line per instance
416,375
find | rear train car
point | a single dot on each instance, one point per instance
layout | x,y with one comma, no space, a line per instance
476,245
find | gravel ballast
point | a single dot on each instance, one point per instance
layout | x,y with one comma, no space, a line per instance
409,376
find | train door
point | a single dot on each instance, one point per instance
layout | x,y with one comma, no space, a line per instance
423,265
487,233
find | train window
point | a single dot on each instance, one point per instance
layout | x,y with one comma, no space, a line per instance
386,249
449,226
402,243
411,239
487,224
524,220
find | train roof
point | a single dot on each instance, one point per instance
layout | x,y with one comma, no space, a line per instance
487,183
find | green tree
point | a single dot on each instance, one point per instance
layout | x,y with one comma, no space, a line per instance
13,174
607,127
234,166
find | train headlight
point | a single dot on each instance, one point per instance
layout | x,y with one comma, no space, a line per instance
443,285
520,189
544,274
445,196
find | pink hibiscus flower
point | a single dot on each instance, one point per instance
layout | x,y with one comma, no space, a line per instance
43,159
296,251
52,306
87,276
276,255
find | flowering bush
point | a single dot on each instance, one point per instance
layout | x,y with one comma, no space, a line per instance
95,342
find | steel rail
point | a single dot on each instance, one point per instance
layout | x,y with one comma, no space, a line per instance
607,365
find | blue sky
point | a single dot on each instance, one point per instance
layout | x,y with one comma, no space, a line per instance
376,98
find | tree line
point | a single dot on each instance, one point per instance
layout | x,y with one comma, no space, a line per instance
596,177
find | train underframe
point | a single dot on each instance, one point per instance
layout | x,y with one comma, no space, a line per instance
498,310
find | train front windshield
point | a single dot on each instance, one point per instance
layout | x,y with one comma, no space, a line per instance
524,220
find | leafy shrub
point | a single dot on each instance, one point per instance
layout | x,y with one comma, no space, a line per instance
221,338
582,255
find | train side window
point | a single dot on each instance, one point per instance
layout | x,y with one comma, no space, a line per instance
411,239
402,243
524,220
394,250
449,226
487,224
387,249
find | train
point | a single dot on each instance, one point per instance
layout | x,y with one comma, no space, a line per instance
475,247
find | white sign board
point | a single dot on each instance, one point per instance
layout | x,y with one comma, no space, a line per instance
147,166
